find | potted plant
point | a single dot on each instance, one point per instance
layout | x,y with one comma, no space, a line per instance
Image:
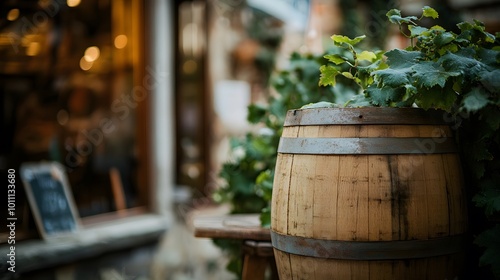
456,73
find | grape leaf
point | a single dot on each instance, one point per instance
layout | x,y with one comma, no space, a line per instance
328,74
399,20
400,69
335,58
464,26
490,80
438,28
436,97
430,73
417,30
489,57
429,12
375,94
443,38
393,12
400,58
462,61
480,28
393,77
366,55
340,39
394,16
383,96
359,100
475,100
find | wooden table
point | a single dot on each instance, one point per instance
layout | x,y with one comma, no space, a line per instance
257,249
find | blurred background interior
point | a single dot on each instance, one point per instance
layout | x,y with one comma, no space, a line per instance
138,99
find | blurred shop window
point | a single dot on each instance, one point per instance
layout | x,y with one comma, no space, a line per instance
71,91
193,124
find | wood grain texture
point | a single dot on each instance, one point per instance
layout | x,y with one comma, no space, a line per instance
436,268
353,197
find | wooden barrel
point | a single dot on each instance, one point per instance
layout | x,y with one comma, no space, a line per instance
368,193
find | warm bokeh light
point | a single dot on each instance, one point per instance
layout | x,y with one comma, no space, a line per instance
189,67
44,3
73,3
33,49
121,41
92,54
85,64
62,117
13,14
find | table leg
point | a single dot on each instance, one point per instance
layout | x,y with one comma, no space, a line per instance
254,267
257,257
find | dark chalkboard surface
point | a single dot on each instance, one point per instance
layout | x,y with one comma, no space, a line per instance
50,198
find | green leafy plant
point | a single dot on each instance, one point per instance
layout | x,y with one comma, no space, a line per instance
440,69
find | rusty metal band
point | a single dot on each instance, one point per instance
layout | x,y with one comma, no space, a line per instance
364,250
366,146
362,116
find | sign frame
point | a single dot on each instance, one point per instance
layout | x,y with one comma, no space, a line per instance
30,170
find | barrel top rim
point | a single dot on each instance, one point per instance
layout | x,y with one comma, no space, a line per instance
366,115
374,108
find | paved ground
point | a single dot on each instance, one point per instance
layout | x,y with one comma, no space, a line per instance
181,256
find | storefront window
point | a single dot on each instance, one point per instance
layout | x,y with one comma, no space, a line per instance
71,91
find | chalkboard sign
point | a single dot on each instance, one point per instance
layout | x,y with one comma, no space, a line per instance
50,199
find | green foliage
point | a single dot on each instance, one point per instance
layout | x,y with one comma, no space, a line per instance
489,240
441,70
350,63
443,67
256,154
